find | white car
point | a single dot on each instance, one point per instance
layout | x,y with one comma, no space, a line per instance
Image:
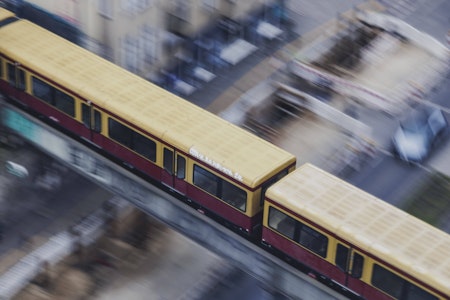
417,134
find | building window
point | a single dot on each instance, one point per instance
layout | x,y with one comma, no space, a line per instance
134,7
150,43
105,8
209,5
182,9
130,53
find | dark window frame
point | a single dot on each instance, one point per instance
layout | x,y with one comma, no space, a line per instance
168,160
341,259
387,281
11,73
303,234
215,185
382,279
87,112
97,121
181,166
15,75
53,96
64,102
357,265
132,139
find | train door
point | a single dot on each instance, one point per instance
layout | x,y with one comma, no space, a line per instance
351,262
174,170
91,118
16,79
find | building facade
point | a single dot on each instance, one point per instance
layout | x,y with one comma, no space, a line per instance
144,36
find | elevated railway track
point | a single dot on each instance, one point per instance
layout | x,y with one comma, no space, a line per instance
161,205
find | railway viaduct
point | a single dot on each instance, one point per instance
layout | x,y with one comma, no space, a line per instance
237,251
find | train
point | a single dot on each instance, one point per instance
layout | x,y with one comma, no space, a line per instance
326,227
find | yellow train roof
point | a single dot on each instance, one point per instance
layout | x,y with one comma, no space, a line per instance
4,14
184,125
391,234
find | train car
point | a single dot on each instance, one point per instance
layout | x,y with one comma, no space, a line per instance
354,239
220,167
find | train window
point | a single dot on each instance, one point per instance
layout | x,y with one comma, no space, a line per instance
341,259
387,281
206,180
313,240
42,90
20,79
130,138
234,195
220,188
144,146
64,102
16,76
181,167
281,222
52,96
168,160
98,122
120,133
414,292
86,115
11,74
357,266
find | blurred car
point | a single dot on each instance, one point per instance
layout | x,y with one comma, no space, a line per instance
418,133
